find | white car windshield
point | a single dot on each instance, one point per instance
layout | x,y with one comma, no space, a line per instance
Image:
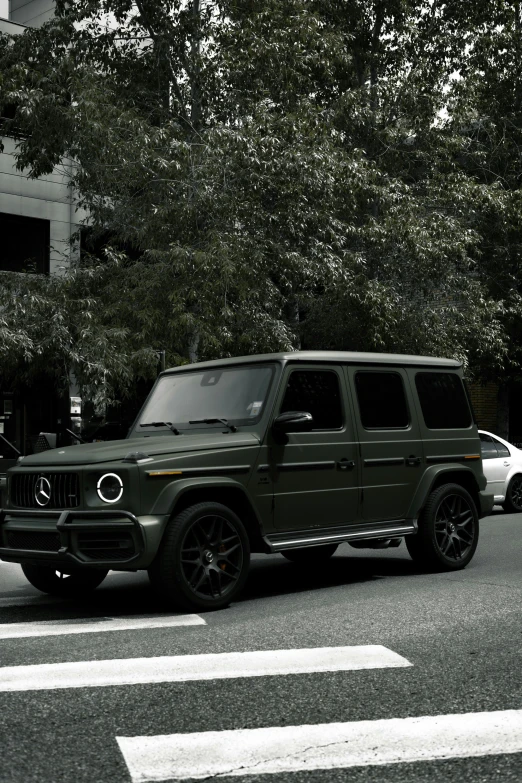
190,400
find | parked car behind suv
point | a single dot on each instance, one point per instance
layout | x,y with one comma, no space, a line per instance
502,464
291,453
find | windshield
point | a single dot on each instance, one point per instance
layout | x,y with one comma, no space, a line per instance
237,394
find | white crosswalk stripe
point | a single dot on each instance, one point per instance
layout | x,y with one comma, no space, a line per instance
64,627
181,668
328,746
270,750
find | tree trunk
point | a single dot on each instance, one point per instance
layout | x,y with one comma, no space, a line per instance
294,320
195,86
193,345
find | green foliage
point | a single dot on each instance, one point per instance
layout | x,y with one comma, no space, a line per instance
52,326
273,174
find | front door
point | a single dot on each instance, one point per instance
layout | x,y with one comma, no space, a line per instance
315,474
391,447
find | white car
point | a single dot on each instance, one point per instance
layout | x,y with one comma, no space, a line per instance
502,465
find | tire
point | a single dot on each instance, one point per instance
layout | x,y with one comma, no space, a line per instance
513,501
203,559
448,530
68,584
310,554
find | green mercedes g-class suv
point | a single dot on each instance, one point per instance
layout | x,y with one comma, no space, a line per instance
291,453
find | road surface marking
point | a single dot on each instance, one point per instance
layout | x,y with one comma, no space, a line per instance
281,749
65,627
180,668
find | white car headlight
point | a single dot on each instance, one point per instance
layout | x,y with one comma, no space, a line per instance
110,488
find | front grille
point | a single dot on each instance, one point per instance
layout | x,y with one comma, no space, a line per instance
106,546
64,492
38,542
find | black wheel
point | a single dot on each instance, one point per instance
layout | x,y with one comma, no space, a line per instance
448,530
203,560
68,584
513,501
310,554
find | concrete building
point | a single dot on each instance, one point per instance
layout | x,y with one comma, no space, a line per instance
37,220
37,217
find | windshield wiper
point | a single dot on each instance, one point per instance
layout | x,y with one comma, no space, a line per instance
162,424
214,421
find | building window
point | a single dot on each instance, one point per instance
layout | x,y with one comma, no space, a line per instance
24,244
382,402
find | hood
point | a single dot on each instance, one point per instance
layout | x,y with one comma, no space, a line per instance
114,450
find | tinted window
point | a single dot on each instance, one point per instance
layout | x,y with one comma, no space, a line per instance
502,450
316,392
443,401
487,447
382,402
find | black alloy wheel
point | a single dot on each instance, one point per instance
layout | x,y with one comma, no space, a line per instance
310,554
448,530
513,501
203,559
67,584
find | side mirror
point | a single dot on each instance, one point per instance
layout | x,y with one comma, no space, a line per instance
293,421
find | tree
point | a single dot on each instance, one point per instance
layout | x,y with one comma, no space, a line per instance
279,173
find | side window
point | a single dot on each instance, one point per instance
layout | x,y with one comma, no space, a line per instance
316,392
443,401
503,451
487,447
382,401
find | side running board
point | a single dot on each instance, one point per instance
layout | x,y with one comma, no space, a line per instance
293,539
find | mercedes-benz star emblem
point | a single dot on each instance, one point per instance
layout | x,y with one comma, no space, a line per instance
42,491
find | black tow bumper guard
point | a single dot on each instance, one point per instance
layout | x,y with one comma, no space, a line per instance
67,523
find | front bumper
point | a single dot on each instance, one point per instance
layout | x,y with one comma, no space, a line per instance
487,501
97,539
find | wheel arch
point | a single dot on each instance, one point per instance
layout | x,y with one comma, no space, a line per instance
436,477
516,471
226,491
508,503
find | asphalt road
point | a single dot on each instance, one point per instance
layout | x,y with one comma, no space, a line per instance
461,633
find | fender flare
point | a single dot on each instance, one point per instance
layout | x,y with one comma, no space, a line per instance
174,494
430,477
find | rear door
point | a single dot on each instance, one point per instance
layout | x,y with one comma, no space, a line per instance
315,474
390,442
447,427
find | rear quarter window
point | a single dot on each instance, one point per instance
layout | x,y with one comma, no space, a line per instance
488,449
502,450
443,401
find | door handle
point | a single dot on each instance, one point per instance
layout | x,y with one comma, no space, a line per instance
346,464
507,464
411,461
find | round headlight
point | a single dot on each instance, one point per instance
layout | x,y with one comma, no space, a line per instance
110,488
